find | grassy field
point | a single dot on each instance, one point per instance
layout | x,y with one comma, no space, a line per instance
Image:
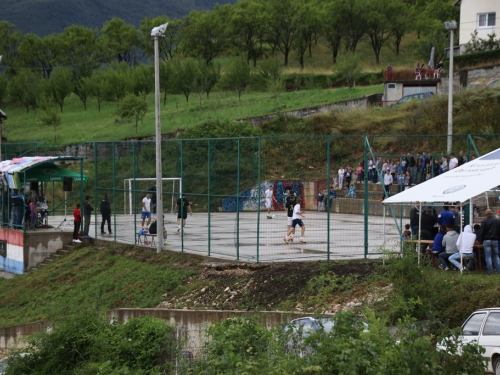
79,126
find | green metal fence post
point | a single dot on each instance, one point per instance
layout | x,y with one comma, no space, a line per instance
258,198
209,196
134,199
238,204
114,193
365,204
182,192
95,188
328,198
81,191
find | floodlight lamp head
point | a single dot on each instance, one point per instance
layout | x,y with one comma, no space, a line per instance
2,115
159,30
452,25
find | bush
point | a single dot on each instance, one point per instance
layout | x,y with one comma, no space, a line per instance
89,344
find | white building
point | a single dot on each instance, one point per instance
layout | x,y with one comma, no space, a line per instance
478,15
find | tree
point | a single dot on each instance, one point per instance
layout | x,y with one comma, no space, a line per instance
379,21
349,68
166,80
3,87
170,41
282,28
41,54
51,118
272,72
132,107
117,80
184,76
332,26
81,89
142,80
83,50
305,21
209,76
353,24
9,43
120,40
24,88
96,86
247,28
60,85
204,35
402,23
237,76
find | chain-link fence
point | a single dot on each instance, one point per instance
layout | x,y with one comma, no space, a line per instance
227,183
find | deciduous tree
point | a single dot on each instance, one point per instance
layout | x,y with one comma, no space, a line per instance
184,76
237,75
24,88
60,85
349,68
120,40
332,26
40,54
132,107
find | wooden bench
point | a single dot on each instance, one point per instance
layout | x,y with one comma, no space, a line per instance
151,242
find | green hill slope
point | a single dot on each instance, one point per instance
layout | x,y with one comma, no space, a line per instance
43,17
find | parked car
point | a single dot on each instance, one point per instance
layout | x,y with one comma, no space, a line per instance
419,96
4,362
483,328
494,84
301,328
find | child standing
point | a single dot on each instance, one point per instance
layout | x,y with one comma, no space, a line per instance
78,221
407,232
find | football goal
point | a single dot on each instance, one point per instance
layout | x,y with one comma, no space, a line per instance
172,189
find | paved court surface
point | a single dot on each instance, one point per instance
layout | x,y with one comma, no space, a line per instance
248,238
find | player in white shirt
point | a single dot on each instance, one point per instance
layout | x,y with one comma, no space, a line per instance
146,209
268,195
297,219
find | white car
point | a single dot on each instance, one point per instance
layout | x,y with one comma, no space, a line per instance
4,363
483,328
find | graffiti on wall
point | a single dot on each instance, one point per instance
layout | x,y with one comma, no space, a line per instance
249,198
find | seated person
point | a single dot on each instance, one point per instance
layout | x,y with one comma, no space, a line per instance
437,246
478,241
154,230
465,244
450,244
351,193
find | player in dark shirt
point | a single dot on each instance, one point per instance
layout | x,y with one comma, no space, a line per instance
182,206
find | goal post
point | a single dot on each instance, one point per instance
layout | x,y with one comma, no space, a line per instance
128,188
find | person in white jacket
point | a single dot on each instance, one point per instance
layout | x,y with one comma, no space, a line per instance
465,244
341,178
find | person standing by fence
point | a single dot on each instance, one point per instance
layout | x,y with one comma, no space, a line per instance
87,214
106,214
77,215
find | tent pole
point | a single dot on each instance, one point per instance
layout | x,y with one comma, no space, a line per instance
461,243
383,225
419,227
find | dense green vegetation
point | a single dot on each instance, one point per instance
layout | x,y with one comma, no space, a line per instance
75,289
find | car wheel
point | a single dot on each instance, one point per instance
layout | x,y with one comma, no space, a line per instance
496,366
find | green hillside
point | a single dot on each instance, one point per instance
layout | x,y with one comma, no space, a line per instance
43,17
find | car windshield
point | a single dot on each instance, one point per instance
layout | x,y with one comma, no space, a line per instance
327,324
3,365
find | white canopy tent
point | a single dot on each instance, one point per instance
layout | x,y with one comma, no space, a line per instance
458,185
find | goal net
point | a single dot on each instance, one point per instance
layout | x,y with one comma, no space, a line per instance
138,187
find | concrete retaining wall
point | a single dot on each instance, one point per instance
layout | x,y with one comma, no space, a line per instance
194,322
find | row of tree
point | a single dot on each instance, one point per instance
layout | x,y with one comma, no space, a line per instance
252,28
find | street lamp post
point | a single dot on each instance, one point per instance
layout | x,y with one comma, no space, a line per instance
156,34
451,26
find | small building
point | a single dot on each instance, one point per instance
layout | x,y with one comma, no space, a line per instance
399,83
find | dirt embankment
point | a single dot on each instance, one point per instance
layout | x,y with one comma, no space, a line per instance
309,287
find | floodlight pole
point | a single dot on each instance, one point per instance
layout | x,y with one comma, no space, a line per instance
156,34
451,26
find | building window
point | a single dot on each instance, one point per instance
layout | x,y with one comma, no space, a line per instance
486,20
391,86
